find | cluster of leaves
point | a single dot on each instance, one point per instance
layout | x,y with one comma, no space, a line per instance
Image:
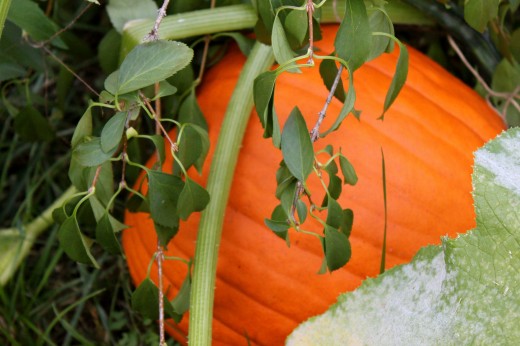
363,35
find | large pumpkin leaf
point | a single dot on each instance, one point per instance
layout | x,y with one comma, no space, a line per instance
465,291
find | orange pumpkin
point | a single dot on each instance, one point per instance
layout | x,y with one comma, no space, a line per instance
264,289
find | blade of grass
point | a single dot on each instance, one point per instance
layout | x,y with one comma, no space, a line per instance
383,250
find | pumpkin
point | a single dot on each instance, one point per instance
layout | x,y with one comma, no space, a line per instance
265,289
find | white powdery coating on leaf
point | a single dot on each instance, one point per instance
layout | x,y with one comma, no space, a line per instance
393,312
504,164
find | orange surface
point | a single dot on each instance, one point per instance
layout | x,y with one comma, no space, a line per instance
264,289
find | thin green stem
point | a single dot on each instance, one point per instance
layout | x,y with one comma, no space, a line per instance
219,185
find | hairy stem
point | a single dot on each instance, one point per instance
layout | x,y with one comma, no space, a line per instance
219,185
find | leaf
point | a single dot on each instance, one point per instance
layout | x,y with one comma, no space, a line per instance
328,72
122,11
245,44
83,129
190,112
193,146
399,78
334,214
30,17
348,106
145,300
349,174
380,22
109,43
75,244
297,25
163,193
106,237
353,39
32,126
337,248
158,142
181,302
281,48
463,292
11,71
478,13
347,220
193,198
113,132
263,90
151,62
297,149
90,154
278,223
165,89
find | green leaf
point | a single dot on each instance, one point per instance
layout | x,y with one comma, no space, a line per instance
463,292
163,193
193,198
398,79
380,22
190,112
11,71
145,300
297,149
301,210
106,237
245,44
90,154
181,302
349,174
122,11
353,38
107,59
158,142
334,214
337,248
113,132
165,89
151,62
110,83
348,105
297,25
193,146
478,13
263,89
83,129
328,72
281,48
75,244
347,220
29,16
32,126
278,223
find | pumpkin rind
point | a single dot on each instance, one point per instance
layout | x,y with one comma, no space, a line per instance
264,289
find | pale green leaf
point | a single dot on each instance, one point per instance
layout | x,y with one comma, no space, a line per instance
463,292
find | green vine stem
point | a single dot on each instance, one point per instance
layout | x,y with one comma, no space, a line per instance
240,17
4,9
222,168
15,243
